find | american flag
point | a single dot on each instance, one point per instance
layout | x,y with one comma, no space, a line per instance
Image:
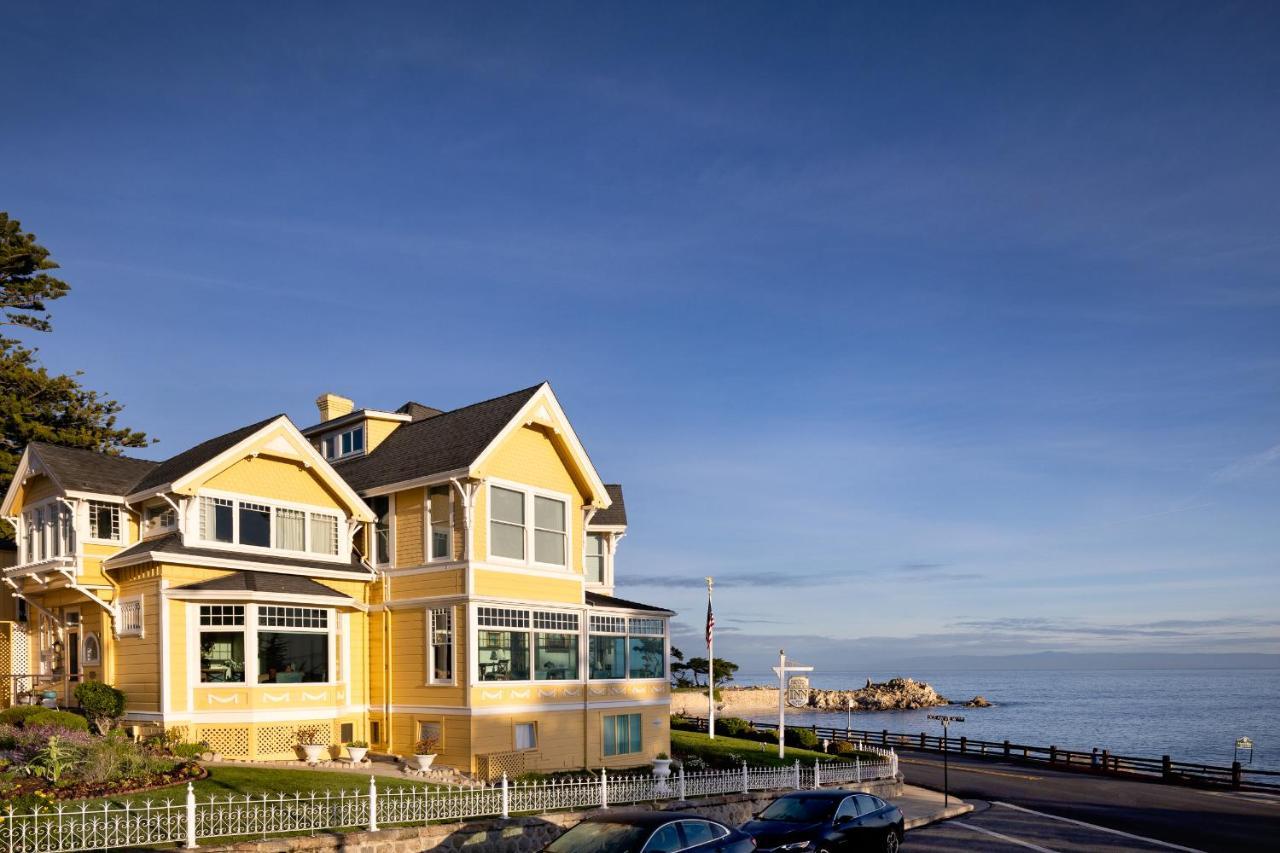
711,621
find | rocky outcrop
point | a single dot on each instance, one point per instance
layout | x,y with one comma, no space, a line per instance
895,694
978,702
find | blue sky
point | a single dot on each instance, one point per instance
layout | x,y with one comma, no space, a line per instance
925,328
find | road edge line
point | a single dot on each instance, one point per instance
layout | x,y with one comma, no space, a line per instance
940,815
1003,837
1107,829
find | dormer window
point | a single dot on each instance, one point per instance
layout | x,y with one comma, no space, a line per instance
159,518
346,443
104,521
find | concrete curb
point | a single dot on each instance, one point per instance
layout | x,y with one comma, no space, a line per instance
940,814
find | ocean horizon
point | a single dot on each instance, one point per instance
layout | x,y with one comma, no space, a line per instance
1189,715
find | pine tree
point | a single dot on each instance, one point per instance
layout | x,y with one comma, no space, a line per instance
34,404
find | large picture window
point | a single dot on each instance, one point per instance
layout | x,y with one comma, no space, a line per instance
556,646
292,644
513,644
222,643
627,648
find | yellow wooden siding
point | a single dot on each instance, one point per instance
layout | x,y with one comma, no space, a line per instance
33,491
408,527
274,479
426,584
376,432
490,582
136,660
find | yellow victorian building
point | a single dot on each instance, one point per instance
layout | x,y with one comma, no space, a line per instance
381,575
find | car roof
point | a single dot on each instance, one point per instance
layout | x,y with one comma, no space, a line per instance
824,794
641,817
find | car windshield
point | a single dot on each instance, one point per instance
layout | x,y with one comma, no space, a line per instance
600,838
799,809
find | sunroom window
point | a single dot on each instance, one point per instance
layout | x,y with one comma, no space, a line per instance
626,648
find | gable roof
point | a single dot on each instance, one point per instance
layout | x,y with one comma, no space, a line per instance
616,513
186,461
433,445
598,599
262,582
171,543
79,469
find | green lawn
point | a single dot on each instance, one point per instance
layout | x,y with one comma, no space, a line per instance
238,780
732,750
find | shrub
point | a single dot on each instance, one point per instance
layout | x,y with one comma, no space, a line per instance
429,745
359,744
843,747
187,750
802,739
102,703
115,758
734,727
52,760
681,723
19,714
60,719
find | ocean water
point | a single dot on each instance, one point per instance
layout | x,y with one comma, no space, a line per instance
1190,715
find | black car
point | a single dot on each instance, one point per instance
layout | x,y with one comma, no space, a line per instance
650,832
827,822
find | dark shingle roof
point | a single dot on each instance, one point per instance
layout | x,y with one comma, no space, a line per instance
171,543
444,442
616,514
596,599
417,411
84,470
263,582
192,458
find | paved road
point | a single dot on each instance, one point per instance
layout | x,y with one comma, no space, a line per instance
1170,816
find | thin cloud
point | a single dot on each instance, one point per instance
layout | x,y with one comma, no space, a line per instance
1248,466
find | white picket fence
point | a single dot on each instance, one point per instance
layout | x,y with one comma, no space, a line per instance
63,829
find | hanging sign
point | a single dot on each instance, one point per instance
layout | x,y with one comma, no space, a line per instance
798,691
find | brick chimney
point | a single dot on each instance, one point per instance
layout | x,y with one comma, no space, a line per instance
333,406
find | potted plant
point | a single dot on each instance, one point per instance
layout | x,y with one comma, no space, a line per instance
662,766
312,748
425,750
357,750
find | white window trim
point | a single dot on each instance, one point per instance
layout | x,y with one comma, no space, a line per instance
344,525
337,436
616,754
123,538
142,624
250,629
84,649
529,492
626,635
453,646
146,531
428,522
533,725
473,642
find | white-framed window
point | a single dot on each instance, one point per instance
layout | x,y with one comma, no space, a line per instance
618,647
92,650
593,559
345,443
525,736
130,617
527,645
45,531
23,613
256,524
528,526
104,521
440,522
381,544
440,641
623,734
159,518
265,644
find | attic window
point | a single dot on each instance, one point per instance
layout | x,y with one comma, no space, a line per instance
346,443
104,521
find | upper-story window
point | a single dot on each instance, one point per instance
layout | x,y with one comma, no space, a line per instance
593,559
158,518
46,531
440,519
513,537
104,521
381,507
260,525
346,443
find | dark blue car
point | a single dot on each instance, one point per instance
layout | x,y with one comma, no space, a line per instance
827,822
651,832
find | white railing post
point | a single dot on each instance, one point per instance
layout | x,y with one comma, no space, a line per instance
893,761
373,803
796,785
746,780
191,817
506,798
681,778
817,774
604,788
857,768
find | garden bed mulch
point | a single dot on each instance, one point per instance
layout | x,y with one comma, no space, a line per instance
191,772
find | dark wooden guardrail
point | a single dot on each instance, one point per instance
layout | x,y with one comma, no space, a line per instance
1095,761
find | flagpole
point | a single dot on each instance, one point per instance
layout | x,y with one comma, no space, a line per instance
711,666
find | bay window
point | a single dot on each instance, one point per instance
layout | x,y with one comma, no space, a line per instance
293,644
527,526
608,647
46,531
627,648
258,525
513,643
556,646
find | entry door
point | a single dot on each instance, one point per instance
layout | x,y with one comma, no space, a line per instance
73,655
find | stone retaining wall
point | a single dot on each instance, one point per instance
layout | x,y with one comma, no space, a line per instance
516,835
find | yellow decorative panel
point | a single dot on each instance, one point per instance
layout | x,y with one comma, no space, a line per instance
230,741
273,478
567,590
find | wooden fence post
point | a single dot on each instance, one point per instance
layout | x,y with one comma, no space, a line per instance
922,740
1235,774
1166,767
964,743
1006,749
1053,755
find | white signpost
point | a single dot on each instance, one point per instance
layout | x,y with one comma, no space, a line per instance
785,687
